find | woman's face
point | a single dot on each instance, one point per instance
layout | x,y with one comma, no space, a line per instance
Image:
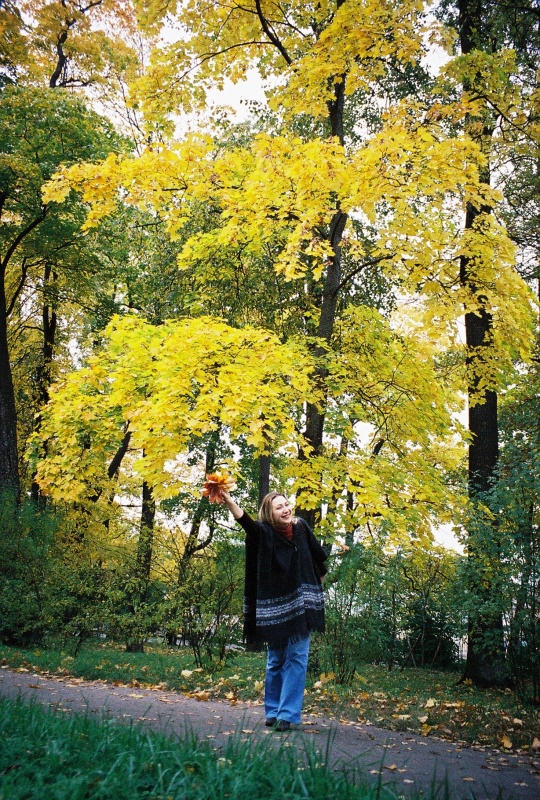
281,511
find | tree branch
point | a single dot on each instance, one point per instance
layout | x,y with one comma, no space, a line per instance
18,290
371,263
62,59
19,238
270,33
114,466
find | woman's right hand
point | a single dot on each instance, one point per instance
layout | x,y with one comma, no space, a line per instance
233,507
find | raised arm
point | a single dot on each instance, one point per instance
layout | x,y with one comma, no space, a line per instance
233,507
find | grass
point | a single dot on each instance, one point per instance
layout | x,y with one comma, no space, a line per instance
47,756
426,702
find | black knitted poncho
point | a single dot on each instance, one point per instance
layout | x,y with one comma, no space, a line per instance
283,597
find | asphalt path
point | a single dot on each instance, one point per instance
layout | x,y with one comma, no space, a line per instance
404,761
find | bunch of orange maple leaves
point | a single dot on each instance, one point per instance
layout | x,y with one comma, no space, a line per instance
216,483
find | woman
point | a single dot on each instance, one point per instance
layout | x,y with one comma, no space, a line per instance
283,600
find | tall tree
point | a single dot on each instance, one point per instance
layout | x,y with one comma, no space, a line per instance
40,131
76,46
324,62
324,207
497,116
485,657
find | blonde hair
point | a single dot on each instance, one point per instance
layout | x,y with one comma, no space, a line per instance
265,511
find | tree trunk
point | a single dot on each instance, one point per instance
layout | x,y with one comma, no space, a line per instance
193,545
264,477
315,416
9,464
146,539
143,561
485,665
44,372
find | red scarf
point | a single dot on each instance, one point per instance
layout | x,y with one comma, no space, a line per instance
287,532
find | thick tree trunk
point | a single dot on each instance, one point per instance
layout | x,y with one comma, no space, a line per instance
485,664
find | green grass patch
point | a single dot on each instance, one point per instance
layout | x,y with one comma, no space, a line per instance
425,702
47,756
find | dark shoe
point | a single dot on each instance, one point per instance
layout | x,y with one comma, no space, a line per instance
282,725
270,722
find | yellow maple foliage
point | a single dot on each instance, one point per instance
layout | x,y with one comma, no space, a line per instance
166,385
408,181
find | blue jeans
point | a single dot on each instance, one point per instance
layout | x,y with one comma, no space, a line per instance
285,681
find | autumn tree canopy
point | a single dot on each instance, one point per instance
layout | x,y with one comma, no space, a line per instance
309,297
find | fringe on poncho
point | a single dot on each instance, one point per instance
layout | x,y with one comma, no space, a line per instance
283,596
